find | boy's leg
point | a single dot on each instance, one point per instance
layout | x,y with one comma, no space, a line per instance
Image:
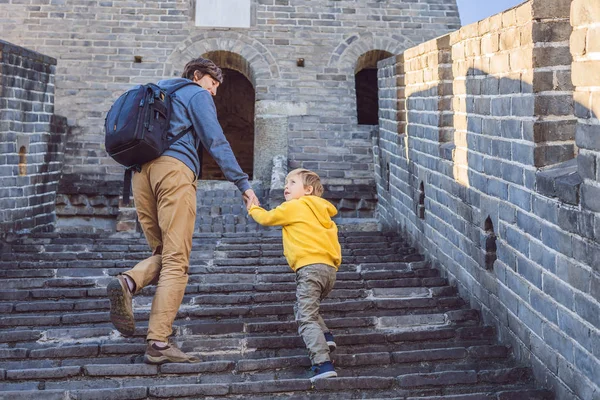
312,281
330,279
328,283
174,187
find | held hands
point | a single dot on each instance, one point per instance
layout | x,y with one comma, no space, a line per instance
250,199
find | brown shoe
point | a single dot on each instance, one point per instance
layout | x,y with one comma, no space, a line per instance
121,311
169,354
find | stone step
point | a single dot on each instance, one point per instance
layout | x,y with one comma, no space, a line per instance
384,364
450,378
413,328
235,349
229,282
408,255
51,345
521,394
330,307
253,252
278,246
379,387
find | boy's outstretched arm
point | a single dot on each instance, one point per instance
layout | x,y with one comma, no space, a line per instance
279,216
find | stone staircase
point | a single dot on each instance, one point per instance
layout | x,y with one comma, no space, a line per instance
402,332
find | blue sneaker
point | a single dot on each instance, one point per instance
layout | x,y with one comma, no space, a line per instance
324,370
330,342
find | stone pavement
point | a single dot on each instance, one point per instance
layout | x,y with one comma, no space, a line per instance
402,332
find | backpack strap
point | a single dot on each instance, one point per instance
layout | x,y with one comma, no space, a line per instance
175,88
127,182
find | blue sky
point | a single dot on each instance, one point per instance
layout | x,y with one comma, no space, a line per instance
475,10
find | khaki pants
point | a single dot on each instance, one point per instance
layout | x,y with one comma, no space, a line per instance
313,284
165,199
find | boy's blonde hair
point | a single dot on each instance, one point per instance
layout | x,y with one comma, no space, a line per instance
309,178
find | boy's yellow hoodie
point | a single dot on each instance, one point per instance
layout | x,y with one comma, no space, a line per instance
309,234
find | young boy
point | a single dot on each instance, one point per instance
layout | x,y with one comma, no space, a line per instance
312,249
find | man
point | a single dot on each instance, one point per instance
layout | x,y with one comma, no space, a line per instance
164,192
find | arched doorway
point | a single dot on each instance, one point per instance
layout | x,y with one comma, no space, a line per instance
367,97
235,102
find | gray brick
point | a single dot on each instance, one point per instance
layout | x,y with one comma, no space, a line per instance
519,197
587,308
587,365
284,385
546,209
573,274
189,390
544,305
590,197
121,370
558,290
515,239
126,393
46,373
557,240
574,328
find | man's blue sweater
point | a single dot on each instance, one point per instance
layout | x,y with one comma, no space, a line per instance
193,106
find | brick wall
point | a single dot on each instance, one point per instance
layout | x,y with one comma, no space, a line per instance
96,43
585,48
487,159
31,140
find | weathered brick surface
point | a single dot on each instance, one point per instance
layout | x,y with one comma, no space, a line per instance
516,182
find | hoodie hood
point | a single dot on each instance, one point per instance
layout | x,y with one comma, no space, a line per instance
322,209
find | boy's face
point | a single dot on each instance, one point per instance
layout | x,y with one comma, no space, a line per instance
294,188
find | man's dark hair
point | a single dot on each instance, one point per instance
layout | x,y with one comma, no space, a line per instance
204,66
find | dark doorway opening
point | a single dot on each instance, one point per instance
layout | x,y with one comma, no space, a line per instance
366,85
235,109
367,99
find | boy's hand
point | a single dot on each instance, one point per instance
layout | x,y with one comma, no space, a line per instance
250,199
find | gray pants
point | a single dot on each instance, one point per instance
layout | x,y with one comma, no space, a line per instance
313,284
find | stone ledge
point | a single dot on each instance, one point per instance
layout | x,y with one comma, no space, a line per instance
561,181
78,184
6,47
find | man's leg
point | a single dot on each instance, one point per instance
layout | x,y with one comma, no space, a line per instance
174,187
121,289
147,271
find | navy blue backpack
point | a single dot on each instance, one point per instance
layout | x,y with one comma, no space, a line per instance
136,128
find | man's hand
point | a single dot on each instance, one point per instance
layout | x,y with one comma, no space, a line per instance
250,199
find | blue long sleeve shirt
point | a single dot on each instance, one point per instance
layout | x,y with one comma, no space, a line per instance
193,106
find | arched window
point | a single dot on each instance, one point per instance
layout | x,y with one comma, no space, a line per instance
490,244
421,206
